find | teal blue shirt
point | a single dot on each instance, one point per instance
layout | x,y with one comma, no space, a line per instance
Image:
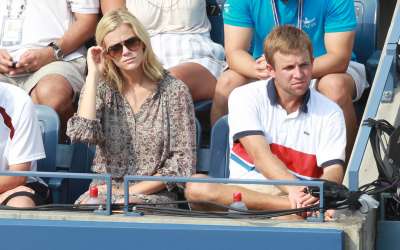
319,17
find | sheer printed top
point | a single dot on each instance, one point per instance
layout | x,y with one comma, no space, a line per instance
158,139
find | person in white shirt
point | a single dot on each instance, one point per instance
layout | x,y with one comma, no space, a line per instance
20,146
42,49
280,129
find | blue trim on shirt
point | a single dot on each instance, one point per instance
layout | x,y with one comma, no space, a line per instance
273,96
242,134
242,163
332,162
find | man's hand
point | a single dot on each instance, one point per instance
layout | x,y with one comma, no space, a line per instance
32,60
296,195
261,68
299,198
6,62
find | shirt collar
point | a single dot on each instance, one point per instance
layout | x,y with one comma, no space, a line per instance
273,97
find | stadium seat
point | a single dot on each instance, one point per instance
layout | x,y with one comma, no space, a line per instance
214,13
219,149
49,125
79,158
365,42
203,105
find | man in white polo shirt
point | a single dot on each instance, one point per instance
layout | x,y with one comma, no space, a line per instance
20,146
280,129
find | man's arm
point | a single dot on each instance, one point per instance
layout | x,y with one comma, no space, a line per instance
11,182
333,173
272,167
237,44
77,34
109,5
339,47
264,160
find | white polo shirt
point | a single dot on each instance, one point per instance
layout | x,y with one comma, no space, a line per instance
20,137
307,140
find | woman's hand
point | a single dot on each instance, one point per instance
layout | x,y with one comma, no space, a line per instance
5,62
95,61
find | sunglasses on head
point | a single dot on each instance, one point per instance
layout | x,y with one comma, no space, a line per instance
132,43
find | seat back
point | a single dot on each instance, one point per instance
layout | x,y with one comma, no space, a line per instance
80,158
219,147
366,32
214,13
49,125
198,133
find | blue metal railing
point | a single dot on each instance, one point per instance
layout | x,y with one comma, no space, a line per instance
105,177
385,73
128,179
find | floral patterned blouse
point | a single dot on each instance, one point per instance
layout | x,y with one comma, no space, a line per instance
158,139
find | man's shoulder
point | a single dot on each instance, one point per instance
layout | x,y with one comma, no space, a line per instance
251,90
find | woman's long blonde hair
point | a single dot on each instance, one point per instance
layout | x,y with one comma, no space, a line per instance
152,68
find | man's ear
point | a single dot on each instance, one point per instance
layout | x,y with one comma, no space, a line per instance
270,70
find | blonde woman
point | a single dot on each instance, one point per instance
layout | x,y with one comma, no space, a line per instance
180,36
140,118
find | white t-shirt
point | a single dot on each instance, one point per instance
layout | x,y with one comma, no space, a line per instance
171,16
307,140
20,137
36,23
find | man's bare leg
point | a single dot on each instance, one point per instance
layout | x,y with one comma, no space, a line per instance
56,92
222,194
18,201
227,82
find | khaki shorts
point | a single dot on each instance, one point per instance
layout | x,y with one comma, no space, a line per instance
357,72
74,71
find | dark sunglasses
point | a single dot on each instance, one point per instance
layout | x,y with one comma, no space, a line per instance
132,44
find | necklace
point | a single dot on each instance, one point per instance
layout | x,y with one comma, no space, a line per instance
299,13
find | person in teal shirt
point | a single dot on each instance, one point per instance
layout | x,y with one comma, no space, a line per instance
330,24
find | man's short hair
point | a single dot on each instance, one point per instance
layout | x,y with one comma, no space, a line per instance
286,39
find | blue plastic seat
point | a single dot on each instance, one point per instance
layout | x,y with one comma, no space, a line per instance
214,13
365,43
219,149
49,125
203,105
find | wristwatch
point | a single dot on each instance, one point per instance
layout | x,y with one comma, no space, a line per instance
58,53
